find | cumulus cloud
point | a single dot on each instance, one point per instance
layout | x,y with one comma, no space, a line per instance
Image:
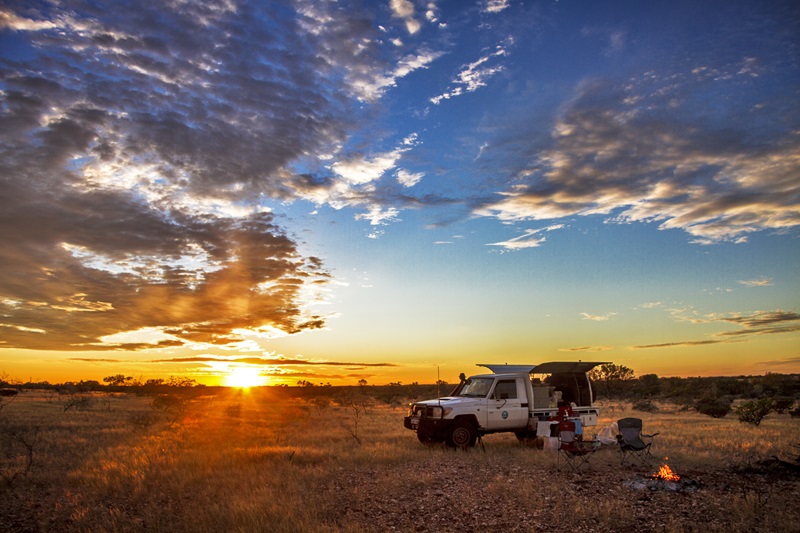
404,9
633,156
137,145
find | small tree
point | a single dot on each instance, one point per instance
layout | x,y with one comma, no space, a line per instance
357,410
118,380
18,444
753,411
612,376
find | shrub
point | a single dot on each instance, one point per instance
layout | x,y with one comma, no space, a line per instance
753,411
782,404
716,408
80,401
646,406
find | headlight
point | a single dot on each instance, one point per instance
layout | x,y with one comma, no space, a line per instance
440,412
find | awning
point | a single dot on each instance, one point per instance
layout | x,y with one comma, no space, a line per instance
555,367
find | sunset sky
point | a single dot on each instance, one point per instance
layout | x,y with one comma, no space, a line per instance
333,191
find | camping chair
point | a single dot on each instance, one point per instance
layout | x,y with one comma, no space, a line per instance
572,450
633,444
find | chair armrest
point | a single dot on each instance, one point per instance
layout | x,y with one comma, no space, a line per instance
650,436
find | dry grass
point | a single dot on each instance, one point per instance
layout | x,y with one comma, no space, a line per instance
252,462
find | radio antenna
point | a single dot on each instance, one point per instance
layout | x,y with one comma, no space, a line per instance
438,386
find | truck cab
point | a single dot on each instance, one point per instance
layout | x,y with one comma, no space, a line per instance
523,399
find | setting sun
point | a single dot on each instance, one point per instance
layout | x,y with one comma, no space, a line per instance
244,377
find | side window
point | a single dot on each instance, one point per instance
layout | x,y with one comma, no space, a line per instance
506,389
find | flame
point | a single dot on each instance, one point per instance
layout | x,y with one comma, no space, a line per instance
665,473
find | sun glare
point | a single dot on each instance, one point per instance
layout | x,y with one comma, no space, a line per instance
244,377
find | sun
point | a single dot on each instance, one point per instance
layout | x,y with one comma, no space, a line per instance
244,377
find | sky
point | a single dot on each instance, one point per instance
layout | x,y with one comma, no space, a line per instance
397,190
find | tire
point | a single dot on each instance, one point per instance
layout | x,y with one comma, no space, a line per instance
462,435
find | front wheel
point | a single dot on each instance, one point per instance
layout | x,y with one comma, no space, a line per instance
462,435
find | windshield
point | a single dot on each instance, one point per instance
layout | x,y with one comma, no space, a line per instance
476,387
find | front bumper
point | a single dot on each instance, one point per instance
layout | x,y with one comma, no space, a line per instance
433,428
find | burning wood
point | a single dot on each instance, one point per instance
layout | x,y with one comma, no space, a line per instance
665,473
664,480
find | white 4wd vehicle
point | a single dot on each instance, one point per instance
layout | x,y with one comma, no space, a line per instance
515,398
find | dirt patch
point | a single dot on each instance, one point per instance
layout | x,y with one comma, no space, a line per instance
465,491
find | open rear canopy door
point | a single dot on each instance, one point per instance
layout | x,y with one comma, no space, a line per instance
555,367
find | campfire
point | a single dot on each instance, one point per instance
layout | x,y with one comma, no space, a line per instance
664,480
665,473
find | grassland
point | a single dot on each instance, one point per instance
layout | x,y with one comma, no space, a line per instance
261,461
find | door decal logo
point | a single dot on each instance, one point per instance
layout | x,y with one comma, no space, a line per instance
504,415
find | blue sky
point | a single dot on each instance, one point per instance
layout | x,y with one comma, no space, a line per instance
336,191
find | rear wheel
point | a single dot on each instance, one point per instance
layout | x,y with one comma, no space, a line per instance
462,435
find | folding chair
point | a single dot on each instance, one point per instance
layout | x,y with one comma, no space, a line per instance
633,444
573,451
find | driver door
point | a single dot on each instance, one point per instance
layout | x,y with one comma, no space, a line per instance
505,409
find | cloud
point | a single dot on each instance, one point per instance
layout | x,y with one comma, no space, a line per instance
759,282
473,76
639,153
762,323
586,349
374,83
495,6
531,238
597,318
189,305
378,215
781,363
269,361
675,344
404,9
758,323
139,144
409,179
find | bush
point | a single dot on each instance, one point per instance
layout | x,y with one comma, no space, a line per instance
80,401
646,406
753,411
782,404
714,408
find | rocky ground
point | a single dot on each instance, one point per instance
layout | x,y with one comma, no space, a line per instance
465,491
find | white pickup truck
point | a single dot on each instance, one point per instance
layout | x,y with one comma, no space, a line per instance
516,398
